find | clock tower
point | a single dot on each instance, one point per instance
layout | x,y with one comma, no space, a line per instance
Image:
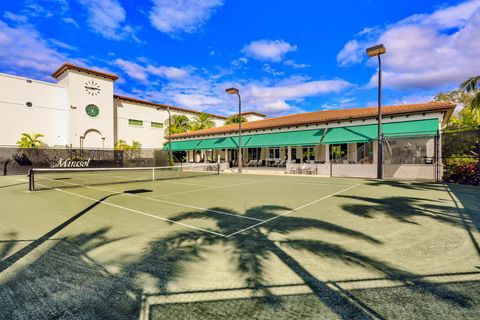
90,110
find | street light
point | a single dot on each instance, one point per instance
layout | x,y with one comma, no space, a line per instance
236,91
378,50
169,136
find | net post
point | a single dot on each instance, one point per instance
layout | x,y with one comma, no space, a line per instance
218,168
30,180
153,174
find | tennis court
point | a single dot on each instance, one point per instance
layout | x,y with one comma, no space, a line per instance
194,244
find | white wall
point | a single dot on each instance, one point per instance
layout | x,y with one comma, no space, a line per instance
47,116
78,120
149,137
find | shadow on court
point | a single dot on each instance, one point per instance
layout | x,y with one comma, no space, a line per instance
64,282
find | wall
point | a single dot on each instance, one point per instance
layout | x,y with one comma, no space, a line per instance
46,116
78,98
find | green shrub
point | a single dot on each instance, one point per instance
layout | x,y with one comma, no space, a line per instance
461,170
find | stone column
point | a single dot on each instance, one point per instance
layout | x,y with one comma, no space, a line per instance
289,154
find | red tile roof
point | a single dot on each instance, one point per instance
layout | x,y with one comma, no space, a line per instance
68,66
162,106
254,113
325,116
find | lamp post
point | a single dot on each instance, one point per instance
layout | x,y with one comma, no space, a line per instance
236,91
372,52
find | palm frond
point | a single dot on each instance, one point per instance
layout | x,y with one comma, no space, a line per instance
475,104
471,84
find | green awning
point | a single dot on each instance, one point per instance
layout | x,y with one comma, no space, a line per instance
221,143
351,134
286,138
365,133
415,128
182,145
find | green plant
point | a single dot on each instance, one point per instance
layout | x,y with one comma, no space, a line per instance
180,124
202,121
30,141
472,85
464,170
235,119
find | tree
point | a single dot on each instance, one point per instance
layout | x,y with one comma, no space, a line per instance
180,124
235,119
202,121
467,117
131,151
472,85
30,141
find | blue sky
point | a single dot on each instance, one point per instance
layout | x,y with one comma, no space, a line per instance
285,56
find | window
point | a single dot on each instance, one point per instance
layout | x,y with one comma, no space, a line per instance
274,153
365,152
136,123
338,151
408,150
254,153
156,125
308,154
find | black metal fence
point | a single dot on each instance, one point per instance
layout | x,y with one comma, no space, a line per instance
14,160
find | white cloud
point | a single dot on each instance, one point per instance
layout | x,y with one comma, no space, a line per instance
351,53
71,21
107,17
171,73
274,107
134,70
426,50
295,65
296,91
15,17
141,73
269,69
268,50
24,49
177,16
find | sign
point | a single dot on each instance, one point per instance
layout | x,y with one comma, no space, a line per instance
68,163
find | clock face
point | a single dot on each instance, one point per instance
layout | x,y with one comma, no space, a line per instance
92,88
92,110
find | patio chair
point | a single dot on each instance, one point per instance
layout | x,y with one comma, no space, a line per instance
250,163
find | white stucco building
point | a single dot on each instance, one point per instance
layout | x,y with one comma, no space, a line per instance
81,110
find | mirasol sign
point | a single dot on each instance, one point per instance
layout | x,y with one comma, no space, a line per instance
68,163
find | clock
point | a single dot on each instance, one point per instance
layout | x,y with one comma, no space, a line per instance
92,110
92,88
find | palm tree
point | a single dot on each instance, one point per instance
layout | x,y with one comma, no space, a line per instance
472,85
234,119
30,141
202,121
180,124
121,145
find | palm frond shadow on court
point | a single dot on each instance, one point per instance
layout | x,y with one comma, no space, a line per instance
403,209
253,246
64,283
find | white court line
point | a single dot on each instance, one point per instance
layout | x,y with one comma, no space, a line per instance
160,200
294,210
137,211
308,183
164,201
208,188
175,203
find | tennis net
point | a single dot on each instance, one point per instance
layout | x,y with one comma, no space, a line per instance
52,178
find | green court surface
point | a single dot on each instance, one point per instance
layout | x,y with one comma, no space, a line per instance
240,247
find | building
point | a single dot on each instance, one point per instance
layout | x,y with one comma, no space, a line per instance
81,110
331,143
